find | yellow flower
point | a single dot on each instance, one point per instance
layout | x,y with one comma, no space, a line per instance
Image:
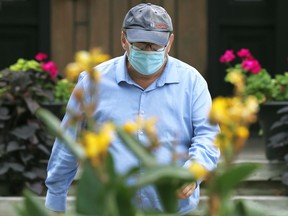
224,140
242,132
235,77
252,104
218,112
130,127
149,125
198,170
108,129
98,57
72,71
95,75
251,109
236,109
86,61
90,141
78,94
96,144
83,58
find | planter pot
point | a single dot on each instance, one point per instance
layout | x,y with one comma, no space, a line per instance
273,119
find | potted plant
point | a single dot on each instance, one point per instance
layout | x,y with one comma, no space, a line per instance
25,145
272,93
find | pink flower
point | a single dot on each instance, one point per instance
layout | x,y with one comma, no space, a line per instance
244,53
50,68
251,65
227,57
40,56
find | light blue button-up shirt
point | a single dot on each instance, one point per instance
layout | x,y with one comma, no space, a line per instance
181,102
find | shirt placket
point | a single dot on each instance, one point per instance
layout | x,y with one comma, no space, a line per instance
141,134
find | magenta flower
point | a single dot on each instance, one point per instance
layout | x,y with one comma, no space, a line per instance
41,56
228,56
50,68
244,53
251,65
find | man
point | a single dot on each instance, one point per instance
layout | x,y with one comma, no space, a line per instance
146,82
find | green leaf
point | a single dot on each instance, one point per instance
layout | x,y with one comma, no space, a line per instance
124,200
109,163
232,177
167,179
53,124
24,132
137,148
120,193
32,206
91,191
14,146
168,196
162,173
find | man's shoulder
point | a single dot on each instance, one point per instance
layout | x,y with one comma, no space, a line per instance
181,65
188,75
109,63
183,68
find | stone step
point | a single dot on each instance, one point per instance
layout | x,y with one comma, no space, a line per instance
275,205
269,205
265,181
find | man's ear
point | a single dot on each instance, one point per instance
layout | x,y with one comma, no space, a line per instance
123,40
170,42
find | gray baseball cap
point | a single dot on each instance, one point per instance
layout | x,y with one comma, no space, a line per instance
149,23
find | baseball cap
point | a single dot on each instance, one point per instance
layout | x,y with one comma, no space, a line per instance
149,23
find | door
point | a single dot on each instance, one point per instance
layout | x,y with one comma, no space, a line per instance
24,29
260,25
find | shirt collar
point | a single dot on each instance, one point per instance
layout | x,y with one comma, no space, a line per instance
121,71
170,74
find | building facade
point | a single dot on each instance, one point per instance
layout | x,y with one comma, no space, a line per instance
203,30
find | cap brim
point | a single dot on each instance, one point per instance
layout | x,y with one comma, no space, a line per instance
139,35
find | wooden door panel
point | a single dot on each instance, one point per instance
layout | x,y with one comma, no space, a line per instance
16,42
24,29
252,24
12,11
246,11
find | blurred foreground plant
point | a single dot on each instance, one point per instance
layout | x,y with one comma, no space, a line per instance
85,61
111,192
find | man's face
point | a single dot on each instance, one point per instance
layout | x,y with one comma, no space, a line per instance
146,46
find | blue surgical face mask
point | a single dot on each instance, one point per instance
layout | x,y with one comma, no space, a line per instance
146,62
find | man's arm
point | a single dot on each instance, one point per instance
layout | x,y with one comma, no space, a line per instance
203,149
62,165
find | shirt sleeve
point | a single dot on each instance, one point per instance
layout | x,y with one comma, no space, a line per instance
62,165
62,168
203,149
